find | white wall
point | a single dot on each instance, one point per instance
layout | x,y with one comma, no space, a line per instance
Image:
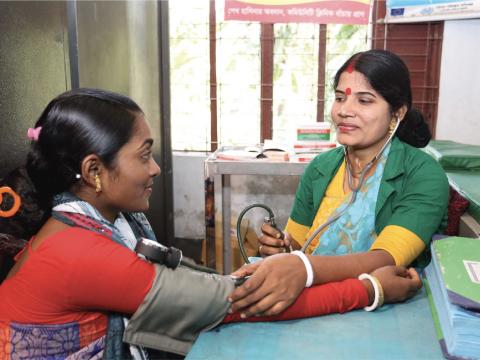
189,196
277,192
459,98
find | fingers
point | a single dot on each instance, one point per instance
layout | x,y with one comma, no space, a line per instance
270,241
287,240
246,270
401,270
398,282
277,308
259,307
265,250
412,282
275,284
270,246
240,273
290,242
269,230
416,281
248,293
267,306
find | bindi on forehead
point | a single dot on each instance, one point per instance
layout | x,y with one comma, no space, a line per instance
348,91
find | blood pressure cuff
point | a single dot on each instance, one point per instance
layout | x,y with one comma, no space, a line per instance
181,304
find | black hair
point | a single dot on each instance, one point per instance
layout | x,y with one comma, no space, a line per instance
389,76
30,216
73,125
15,230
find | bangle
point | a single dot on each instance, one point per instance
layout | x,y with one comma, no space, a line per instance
381,295
308,266
377,287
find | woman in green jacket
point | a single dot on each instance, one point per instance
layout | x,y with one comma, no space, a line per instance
375,201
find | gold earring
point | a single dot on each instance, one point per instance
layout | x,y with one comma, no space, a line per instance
393,125
98,184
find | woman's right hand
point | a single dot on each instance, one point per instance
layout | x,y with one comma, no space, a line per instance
273,241
398,282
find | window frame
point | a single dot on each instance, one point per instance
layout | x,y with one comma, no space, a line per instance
395,37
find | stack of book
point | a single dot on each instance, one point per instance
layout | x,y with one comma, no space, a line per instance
319,131
453,287
252,153
246,153
311,140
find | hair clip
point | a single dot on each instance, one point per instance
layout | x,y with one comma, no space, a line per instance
33,134
16,202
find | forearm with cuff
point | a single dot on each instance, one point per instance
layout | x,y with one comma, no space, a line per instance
335,297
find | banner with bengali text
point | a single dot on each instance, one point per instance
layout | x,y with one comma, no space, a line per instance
431,10
296,11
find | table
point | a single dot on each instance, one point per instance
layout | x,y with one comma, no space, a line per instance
401,331
220,172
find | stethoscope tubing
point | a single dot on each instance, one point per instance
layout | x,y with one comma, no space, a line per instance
354,189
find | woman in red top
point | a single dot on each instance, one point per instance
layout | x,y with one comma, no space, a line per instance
78,287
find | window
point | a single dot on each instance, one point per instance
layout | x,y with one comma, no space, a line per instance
295,78
257,77
238,82
189,75
420,46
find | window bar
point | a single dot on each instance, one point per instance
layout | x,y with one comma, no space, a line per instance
209,245
435,34
213,76
322,57
266,88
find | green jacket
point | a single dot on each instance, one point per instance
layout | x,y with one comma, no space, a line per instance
413,192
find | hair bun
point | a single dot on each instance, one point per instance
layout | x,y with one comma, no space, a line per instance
414,130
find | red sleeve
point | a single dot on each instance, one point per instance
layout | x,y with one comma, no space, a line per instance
107,276
334,297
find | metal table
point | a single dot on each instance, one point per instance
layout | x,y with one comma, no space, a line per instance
220,171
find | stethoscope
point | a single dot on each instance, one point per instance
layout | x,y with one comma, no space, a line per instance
354,189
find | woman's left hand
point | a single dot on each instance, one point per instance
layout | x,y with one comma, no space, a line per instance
274,285
398,282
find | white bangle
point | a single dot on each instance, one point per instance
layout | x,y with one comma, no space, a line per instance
308,266
378,298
